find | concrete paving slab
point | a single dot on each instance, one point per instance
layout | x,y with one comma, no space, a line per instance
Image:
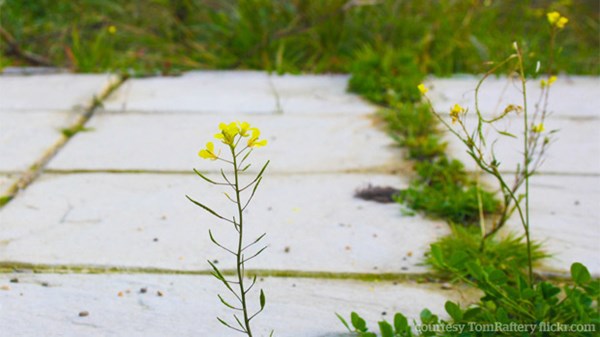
51,92
143,220
222,92
168,142
25,136
188,307
570,96
565,213
323,94
575,148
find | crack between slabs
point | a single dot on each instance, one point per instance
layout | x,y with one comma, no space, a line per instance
27,177
278,108
12,267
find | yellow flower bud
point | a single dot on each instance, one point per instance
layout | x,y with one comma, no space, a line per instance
455,111
538,128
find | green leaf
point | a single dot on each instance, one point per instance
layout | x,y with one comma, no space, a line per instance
343,321
386,329
472,313
475,270
458,258
549,290
497,277
454,311
400,322
226,303
504,133
436,253
358,323
206,208
263,300
204,177
580,273
502,315
427,317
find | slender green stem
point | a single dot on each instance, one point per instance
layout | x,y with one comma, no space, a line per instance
239,257
526,160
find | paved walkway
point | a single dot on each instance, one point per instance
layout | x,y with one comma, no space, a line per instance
112,199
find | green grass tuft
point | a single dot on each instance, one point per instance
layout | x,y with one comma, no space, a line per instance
462,246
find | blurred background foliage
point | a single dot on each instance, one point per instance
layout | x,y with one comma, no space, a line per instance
395,37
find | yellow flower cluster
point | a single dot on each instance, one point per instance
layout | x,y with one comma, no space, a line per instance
229,136
538,128
455,112
557,20
547,83
422,89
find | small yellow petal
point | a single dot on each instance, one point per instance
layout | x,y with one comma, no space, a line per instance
553,17
562,22
261,143
244,127
422,89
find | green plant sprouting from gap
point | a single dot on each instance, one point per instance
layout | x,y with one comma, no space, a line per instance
442,188
481,149
510,295
462,247
240,139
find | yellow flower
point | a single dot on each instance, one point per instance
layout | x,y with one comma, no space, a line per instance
455,111
553,17
422,89
228,133
112,29
209,152
538,128
556,20
253,141
547,83
244,128
562,22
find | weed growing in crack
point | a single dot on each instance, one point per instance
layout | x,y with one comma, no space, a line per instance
240,139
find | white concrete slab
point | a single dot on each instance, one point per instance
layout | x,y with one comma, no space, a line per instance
189,305
51,92
570,96
575,148
25,136
564,216
143,220
218,92
171,142
310,94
